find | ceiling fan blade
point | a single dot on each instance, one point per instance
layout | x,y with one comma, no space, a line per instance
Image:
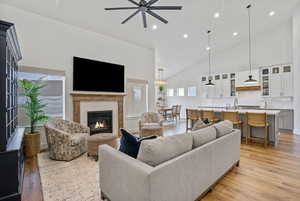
121,8
131,16
152,2
134,2
144,19
157,16
165,7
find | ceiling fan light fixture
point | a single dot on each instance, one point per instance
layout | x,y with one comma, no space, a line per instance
145,8
154,27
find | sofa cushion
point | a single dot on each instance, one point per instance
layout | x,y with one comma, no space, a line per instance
203,136
223,128
199,125
130,145
157,151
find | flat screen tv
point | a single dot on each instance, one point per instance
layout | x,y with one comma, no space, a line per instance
97,76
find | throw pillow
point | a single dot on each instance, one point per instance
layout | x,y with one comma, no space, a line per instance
203,136
157,151
199,125
130,145
223,128
206,121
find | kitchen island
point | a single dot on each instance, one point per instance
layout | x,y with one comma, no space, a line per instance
273,120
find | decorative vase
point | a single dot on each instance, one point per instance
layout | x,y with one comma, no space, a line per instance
32,144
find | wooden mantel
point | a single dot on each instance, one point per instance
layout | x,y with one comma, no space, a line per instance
249,88
92,97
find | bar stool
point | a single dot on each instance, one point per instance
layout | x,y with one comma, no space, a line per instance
192,115
258,120
210,116
234,117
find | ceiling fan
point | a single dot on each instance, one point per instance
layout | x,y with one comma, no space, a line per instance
146,8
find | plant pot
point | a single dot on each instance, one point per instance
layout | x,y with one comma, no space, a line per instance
32,144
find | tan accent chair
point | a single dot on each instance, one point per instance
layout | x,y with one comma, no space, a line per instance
151,123
210,115
94,141
258,120
66,140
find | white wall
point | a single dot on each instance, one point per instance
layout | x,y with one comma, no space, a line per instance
274,46
46,43
296,57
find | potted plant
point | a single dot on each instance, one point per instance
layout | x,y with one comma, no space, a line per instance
34,112
161,88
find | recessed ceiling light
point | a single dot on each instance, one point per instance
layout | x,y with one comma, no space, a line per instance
216,15
235,33
208,48
272,13
154,27
185,35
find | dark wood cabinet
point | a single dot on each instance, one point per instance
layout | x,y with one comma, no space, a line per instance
11,137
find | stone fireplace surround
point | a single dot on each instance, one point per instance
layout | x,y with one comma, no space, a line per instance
89,101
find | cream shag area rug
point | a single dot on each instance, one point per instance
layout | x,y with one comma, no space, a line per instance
77,180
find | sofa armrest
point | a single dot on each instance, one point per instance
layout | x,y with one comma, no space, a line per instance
122,177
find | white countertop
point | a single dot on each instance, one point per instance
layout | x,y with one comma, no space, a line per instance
242,111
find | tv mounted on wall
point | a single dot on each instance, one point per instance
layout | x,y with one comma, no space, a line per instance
97,76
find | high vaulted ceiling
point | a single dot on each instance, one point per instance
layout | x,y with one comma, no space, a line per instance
173,52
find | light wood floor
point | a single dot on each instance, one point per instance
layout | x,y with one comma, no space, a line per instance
271,174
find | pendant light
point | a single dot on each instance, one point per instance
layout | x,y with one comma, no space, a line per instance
210,84
161,80
250,80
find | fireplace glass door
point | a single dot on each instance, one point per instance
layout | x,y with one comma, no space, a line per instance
100,122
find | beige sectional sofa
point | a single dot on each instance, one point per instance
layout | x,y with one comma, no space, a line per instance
185,177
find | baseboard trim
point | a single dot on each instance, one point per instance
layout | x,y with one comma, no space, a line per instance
297,131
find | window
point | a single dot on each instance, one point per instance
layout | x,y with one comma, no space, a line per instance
170,92
180,92
192,91
53,95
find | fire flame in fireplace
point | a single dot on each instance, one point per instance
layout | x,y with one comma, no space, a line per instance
100,125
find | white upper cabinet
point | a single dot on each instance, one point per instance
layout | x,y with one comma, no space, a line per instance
287,80
226,85
275,81
278,82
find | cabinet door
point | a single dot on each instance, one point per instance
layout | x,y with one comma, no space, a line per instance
289,123
203,91
275,82
218,92
226,85
287,81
